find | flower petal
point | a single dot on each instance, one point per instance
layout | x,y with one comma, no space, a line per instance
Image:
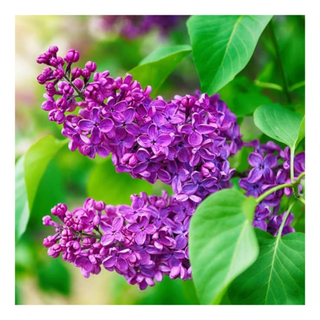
117,223
206,128
255,175
181,242
144,141
153,132
195,198
121,106
129,115
86,125
122,265
255,159
106,239
195,139
109,262
150,229
133,129
106,125
95,135
140,237
187,128
95,115
164,140
189,189
135,227
270,161
102,151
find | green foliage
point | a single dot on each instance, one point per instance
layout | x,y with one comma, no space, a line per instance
106,184
36,160
280,123
53,275
243,96
21,202
222,243
222,46
155,68
277,277
29,171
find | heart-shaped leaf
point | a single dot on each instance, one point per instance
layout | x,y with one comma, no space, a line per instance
277,277
155,68
280,123
222,243
222,46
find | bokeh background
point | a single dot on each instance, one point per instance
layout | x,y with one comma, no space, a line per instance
118,44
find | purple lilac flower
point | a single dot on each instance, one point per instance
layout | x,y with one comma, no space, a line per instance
150,139
262,166
184,142
129,240
271,167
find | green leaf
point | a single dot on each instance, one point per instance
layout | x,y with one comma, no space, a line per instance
248,207
222,244
106,184
155,68
36,161
54,275
21,203
280,123
243,96
222,46
29,171
301,131
278,275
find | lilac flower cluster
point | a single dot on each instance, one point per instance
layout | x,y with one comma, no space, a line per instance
270,168
131,26
142,242
184,142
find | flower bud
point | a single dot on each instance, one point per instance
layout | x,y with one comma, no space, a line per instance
59,210
53,49
76,72
48,105
46,220
42,79
85,73
58,74
188,101
91,66
78,83
72,56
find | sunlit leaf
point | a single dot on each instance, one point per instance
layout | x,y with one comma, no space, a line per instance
155,68
36,161
223,45
222,243
29,171
280,123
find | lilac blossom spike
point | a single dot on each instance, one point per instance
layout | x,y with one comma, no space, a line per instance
130,240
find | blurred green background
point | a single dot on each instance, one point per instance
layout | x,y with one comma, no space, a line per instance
71,177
